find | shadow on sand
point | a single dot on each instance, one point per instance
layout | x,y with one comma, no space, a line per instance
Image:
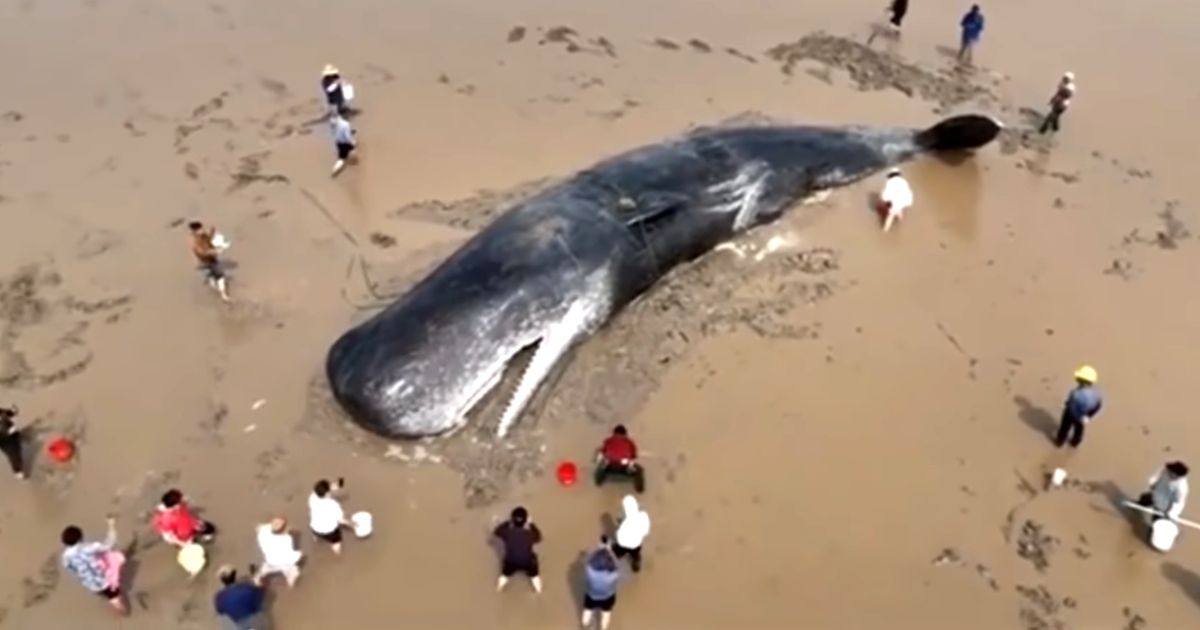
1036,418
1187,580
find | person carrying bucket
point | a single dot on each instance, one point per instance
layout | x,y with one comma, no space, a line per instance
1167,496
1083,403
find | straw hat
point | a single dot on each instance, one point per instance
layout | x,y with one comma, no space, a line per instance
1086,374
329,69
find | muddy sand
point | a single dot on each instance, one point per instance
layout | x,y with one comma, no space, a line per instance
843,429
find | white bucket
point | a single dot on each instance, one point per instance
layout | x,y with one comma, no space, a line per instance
220,242
362,524
348,91
1163,534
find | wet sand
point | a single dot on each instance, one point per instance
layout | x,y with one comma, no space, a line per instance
849,433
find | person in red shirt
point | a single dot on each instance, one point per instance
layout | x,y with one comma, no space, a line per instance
618,456
174,521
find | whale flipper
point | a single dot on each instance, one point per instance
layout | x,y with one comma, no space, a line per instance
959,133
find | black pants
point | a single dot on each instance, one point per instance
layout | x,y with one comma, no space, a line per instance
1071,427
1051,122
605,470
10,443
635,556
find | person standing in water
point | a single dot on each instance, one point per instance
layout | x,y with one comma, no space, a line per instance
601,577
206,252
1059,103
345,140
10,441
632,532
1083,403
519,536
972,29
335,90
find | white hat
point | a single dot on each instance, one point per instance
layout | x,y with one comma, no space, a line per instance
893,172
329,69
1070,76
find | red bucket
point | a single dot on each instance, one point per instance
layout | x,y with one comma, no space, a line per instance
567,473
60,449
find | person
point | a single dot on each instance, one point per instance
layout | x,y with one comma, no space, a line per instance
96,565
895,198
972,30
279,551
334,89
601,577
519,536
1059,103
898,8
10,441
206,253
1168,491
344,139
325,515
632,532
1083,403
239,602
175,522
618,456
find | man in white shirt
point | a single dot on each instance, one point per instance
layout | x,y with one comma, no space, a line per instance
632,532
279,551
1168,490
325,515
896,197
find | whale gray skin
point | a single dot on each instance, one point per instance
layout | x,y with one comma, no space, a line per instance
551,270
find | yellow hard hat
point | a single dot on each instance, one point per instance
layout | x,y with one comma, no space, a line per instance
1086,374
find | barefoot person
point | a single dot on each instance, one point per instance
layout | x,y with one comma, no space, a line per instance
1059,103
618,456
175,522
632,532
519,537
896,197
279,551
206,252
326,518
601,577
972,29
345,140
10,441
1083,403
96,565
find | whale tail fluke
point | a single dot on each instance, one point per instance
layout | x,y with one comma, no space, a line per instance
959,133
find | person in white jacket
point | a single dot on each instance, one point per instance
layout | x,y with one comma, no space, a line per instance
632,532
279,551
896,197
1168,490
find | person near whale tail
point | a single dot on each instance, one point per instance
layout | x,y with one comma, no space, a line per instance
618,456
1059,103
1083,403
897,196
10,441
972,30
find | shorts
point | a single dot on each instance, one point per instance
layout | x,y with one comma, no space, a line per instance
110,592
344,150
509,568
212,271
334,537
605,605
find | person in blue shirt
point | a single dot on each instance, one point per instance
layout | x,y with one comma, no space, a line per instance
972,30
1083,403
239,602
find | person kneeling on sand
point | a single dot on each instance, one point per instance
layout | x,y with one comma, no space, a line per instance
618,456
895,198
519,536
97,565
601,577
279,551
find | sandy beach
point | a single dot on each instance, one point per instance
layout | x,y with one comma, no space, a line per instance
851,431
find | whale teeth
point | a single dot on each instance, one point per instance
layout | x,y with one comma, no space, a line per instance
551,348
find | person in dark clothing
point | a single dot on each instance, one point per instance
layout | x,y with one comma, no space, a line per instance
240,602
335,94
1083,403
10,441
899,9
618,456
972,29
1059,103
519,536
